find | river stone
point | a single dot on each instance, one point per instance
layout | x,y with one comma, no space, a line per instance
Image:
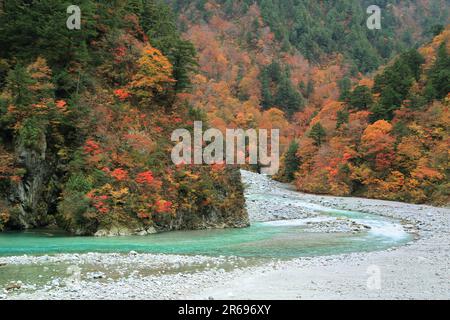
55,283
14,286
96,275
114,232
146,232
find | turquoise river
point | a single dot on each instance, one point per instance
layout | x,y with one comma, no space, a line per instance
280,240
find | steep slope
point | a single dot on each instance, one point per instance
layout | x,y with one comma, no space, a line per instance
387,138
86,118
258,58
318,29
304,67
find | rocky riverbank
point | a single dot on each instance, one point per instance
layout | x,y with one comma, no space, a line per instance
418,270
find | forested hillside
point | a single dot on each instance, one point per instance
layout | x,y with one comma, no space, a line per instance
314,70
320,28
86,115
85,123
258,58
387,138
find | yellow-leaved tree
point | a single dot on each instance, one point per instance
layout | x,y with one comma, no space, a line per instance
154,75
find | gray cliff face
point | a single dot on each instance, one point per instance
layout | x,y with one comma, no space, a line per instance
32,194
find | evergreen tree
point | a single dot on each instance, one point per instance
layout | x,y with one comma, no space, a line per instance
394,84
291,162
266,93
309,88
439,75
277,90
344,88
287,98
414,60
360,98
159,23
38,28
184,63
318,134
17,83
342,118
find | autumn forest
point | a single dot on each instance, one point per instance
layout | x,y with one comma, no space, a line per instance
86,115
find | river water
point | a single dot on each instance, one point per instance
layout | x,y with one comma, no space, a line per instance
280,239
260,243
